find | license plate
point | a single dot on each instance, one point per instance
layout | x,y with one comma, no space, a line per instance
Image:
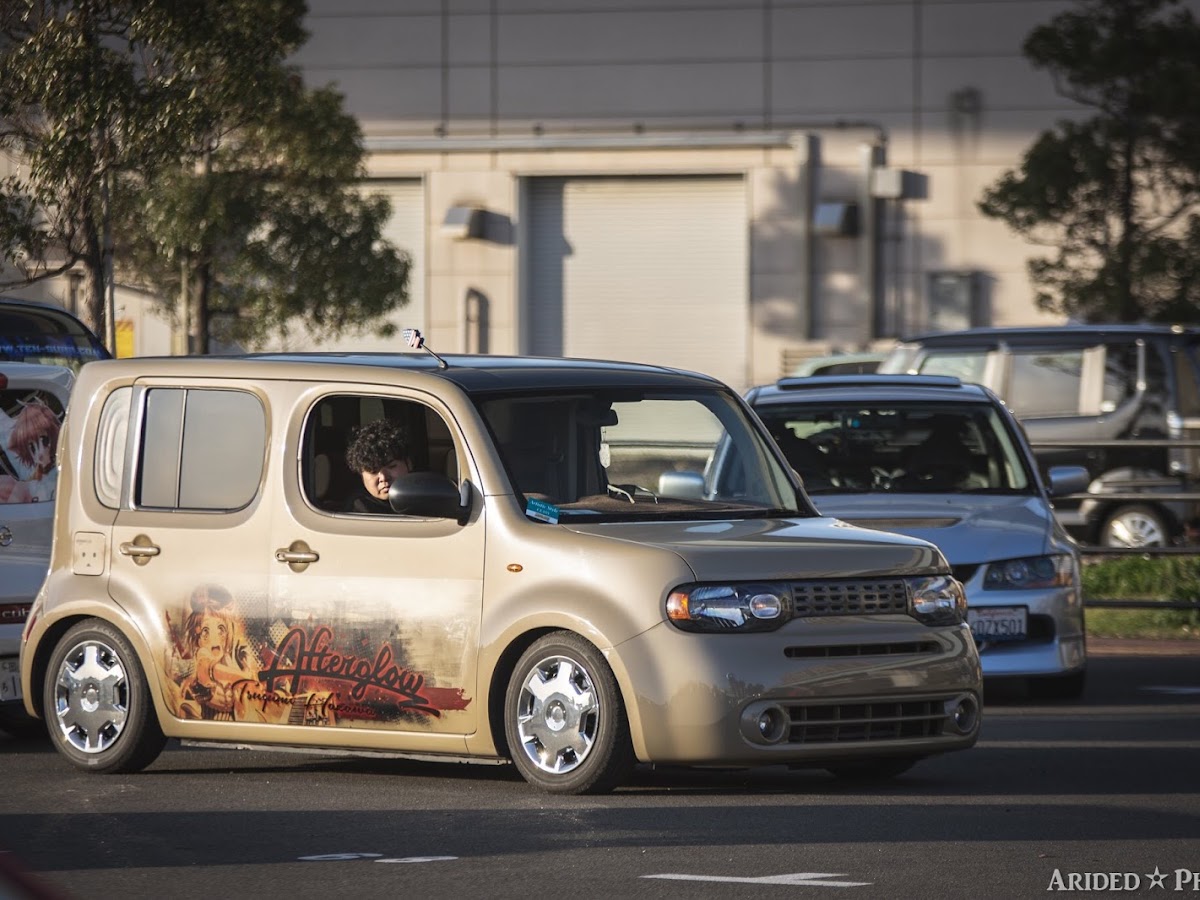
10,679
998,623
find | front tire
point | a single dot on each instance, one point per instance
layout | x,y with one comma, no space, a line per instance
564,719
97,702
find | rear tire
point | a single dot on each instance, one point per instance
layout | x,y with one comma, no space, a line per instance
97,702
1136,526
564,719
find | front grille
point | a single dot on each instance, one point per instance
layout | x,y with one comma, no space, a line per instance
900,648
858,597
855,723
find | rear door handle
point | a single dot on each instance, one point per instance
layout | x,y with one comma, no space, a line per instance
141,549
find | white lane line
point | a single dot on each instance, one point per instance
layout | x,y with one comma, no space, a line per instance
1177,689
795,879
1091,745
417,859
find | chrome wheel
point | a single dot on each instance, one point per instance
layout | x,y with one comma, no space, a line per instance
558,715
91,697
1135,526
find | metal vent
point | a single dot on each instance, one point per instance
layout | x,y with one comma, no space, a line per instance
860,597
850,723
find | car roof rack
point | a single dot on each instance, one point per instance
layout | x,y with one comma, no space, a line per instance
813,382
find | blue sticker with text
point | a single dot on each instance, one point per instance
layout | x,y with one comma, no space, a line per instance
541,510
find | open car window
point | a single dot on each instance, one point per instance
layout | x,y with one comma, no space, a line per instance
632,455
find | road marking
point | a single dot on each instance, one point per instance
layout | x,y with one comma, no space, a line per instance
1177,689
417,859
338,857
796,879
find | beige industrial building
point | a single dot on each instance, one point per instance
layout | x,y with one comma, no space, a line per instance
726,185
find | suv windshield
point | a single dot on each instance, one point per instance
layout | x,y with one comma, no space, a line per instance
36,334
906,448
618,455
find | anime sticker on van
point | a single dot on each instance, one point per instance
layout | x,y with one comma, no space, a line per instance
220,668
29,426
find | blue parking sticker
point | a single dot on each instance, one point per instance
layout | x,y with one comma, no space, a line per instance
541,510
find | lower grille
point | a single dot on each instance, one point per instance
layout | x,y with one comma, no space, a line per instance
852,723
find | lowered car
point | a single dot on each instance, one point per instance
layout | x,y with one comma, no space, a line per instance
935,458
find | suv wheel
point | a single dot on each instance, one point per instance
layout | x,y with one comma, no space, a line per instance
1136,526
97,702
563,716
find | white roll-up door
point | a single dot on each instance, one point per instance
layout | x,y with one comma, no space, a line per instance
649,269
405,229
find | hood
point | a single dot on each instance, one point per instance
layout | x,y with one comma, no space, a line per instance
968,528
770,549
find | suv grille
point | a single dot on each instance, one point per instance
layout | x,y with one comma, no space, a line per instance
881,720
849,598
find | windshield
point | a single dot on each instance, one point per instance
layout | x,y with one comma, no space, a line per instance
900,448
36,335
622,455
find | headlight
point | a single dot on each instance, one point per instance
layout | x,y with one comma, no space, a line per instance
730,607
1030,572
937,600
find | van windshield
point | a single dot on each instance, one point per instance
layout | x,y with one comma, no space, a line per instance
899,448
621,455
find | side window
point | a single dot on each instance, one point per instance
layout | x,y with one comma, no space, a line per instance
110,446
201,449
29,426
327,479
965,365
1045,383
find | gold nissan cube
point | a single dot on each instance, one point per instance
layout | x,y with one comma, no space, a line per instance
569,565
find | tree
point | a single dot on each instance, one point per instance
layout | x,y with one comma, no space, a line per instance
1116,194
96,89
269,230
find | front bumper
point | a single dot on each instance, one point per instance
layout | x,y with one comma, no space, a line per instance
836,688
1056,643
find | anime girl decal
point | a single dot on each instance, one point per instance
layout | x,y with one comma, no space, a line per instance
30,439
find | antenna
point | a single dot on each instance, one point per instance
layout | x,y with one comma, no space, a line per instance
416,341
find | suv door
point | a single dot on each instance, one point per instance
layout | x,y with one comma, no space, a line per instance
374,617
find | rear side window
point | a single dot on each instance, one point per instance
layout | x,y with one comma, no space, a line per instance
965,365
201,449
29,424
1045,383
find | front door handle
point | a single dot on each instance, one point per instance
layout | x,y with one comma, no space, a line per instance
297,555
141,549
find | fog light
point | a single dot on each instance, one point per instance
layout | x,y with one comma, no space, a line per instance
772,724
964,715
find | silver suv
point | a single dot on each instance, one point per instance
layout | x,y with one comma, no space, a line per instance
553,583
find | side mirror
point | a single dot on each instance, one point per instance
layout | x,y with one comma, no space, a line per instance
681,485
1068,480
431,496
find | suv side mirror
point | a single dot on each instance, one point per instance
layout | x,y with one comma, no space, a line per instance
429,495
1068,480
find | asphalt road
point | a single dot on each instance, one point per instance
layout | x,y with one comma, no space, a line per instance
1053,794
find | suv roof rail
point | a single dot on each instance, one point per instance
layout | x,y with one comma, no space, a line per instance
806,382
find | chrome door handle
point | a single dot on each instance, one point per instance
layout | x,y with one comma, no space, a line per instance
139,551
297,555
292,556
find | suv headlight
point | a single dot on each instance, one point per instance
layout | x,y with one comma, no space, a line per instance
937,600
1030,572
730,607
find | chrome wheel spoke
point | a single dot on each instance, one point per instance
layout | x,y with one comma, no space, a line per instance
558,715
91,697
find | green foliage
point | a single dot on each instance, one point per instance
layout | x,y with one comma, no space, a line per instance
1115,195
1135,578
173,131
